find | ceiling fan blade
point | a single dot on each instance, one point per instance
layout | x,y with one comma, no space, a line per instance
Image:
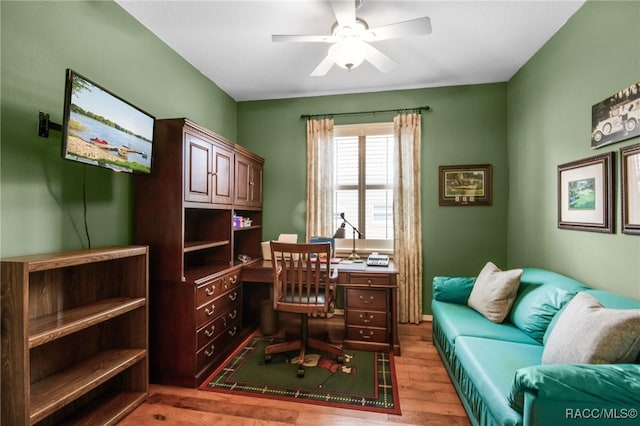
378,59
303,38
345,11
413,27
323,68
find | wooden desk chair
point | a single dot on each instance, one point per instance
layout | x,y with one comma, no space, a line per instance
302,280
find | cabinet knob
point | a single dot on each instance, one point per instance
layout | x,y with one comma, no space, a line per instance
364,300
366,336
366,318
210,352
210,332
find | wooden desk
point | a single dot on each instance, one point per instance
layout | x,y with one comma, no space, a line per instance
371,302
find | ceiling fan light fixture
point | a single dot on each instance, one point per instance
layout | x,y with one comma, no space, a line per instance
347,53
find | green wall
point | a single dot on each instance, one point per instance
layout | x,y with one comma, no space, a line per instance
41,194
467,125
593,56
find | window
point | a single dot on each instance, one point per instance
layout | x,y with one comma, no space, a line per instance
364,179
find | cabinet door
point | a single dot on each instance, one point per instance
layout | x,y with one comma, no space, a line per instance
255,184
222,176
242,190
248,182
197,181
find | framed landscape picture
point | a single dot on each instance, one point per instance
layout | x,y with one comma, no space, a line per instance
630,171
466,185
585,194
616,118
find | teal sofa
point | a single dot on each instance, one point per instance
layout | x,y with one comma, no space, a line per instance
497,368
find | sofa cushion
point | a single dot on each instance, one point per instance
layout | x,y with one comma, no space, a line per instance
494,292
588,333
452,289
616,385
458,320
490,365
540,296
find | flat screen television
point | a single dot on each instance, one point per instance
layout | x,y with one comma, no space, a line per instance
102,129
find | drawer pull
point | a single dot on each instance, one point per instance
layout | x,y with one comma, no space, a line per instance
210,291
233,296
208,353
366,318
233,279
365,336
233,332
233,314
210,312
363,300
210,332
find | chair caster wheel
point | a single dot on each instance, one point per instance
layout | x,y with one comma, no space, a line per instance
267,358
300,372
340,359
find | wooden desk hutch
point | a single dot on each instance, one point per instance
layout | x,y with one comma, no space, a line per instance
184,211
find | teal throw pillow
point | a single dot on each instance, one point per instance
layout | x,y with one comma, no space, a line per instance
452,289
535,307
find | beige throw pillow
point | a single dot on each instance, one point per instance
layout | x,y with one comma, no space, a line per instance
494,292
589,333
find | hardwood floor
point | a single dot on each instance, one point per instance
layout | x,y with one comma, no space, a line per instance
427,396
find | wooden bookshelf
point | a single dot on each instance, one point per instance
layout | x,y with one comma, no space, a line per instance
74,343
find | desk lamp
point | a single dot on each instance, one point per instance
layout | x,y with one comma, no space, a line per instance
340,234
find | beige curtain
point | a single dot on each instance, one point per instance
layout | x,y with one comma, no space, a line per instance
407,228
320,177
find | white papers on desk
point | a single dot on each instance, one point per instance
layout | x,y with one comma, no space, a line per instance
282,238
288,238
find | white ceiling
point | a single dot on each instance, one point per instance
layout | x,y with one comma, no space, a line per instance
230,42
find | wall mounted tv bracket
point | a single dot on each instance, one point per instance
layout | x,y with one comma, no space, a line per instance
44,125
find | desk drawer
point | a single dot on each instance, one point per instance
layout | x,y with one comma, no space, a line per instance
218,346
367,318
371,279
214,288
369,299
215,327
364,334
209,311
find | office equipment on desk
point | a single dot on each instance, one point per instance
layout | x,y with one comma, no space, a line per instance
340,233
330,240
376,259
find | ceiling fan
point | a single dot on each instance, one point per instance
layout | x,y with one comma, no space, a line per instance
350,37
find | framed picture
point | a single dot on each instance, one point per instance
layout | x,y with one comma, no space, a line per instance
585,194
630,160
468,185
616,118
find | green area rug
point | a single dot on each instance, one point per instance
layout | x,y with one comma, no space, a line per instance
366,381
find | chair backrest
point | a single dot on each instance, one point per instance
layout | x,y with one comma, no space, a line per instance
302,277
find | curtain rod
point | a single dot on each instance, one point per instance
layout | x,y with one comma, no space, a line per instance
333,114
